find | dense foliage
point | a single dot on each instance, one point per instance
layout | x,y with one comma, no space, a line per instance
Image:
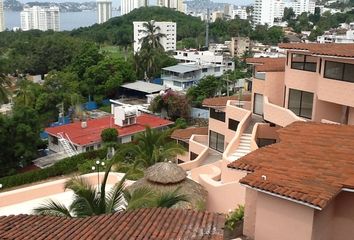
65,166
109,135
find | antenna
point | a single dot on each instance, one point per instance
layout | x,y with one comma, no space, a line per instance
207,30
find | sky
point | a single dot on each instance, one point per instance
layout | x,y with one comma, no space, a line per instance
235,2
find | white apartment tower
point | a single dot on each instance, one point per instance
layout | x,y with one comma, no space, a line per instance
104,10
167,28
239,12
2,19
178,5
300,6
265,11
129,5
42,18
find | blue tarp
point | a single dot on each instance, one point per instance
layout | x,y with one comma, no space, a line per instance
91,105
43,135
157,81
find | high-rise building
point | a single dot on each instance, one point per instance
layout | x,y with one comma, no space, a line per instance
228,9
2,20
104,10
42,18
129,5
178,5
239,12
168,28
265,11
300,6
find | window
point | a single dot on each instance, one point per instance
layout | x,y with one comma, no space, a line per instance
177,84
303,62
300,103
90,148
339,71
193,156
233,124
217,69
216,141
258,104
216,114
204,70
55,140
183,144
262,142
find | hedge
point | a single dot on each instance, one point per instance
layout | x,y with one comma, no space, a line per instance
65,166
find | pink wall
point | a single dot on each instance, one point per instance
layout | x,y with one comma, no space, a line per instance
274,87
344,217
327,110
277,218
351,116
249,224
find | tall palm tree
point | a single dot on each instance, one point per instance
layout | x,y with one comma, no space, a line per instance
152,146
25,93
152,36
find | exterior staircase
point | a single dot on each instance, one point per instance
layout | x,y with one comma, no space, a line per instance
244,147
68,146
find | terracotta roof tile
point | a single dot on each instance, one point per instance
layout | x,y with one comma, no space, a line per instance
330,49
185,134
222,101
268,64
153,223
92,133
311,163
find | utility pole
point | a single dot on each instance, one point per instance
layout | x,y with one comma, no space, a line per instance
207,30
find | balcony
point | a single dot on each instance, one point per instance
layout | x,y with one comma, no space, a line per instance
278,115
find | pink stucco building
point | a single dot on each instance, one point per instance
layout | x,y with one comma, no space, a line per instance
313,83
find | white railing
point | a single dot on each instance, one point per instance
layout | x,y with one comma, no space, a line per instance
67,144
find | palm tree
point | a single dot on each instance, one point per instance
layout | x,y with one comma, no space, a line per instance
4,83
25,93
152,146
88,201
152,36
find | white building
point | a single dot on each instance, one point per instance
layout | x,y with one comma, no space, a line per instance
204,57
104,10
2,19
300,6
334,37
265,11
181,77
129,5
168,28
228,10
239,12
41,18
178,5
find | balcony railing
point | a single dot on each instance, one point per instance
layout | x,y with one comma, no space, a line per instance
278,115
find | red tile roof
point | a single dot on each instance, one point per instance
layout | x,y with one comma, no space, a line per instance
311,163
268,64
185,134
330,49
153,223
222,101
92,133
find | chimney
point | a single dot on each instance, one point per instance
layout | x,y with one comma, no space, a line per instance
84,124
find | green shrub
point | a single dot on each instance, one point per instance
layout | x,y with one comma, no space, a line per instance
234,217
65,166
109,135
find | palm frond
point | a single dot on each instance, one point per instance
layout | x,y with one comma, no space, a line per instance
115,197
169,199
142,197
53,208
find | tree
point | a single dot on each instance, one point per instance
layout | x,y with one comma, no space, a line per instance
150,147
88,201
289,14
4,83
153,36
207,87
109,135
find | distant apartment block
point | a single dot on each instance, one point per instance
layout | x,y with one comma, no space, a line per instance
180,77
239,46
41,18
300,6
168,28
216,15
265,11
104,10
205,57
228,9
338,35
129,5
2,18
177,5
239,12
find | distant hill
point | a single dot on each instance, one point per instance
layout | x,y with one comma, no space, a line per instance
119,30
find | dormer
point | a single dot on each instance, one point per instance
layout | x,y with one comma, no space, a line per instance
125,115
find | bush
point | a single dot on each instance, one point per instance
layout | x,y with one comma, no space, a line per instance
234,217
65,166
109,135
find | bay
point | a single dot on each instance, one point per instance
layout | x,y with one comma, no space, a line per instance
68,20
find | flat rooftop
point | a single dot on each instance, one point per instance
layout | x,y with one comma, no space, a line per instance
144,87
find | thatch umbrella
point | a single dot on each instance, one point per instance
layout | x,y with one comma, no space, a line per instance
167,176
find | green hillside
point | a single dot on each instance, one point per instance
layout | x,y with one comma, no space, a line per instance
119,30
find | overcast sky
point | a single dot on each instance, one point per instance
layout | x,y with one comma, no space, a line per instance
152,2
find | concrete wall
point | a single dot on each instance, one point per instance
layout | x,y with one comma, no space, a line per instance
277,218
343,217
249,224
